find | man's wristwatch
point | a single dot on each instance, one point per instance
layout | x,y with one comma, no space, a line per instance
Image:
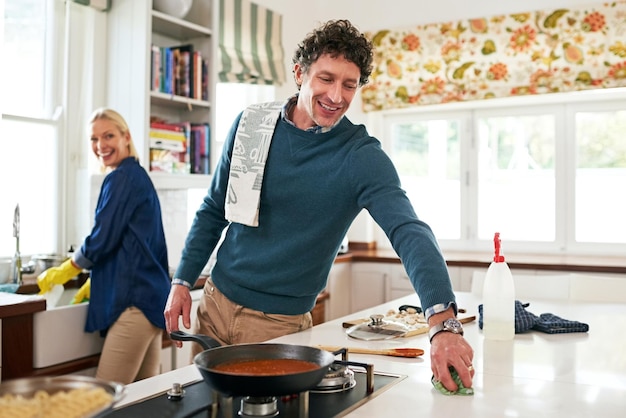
449,325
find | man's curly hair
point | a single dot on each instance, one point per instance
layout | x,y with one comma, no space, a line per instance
337,38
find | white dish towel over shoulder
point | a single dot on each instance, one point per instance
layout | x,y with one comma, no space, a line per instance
252,144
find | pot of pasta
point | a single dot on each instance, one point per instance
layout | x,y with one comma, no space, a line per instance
62,397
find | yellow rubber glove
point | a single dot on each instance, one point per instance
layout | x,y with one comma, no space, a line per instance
83,293
57,275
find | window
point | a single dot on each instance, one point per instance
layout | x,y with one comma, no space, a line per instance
600,176
516,177
427,155
232,98
30,132
547,177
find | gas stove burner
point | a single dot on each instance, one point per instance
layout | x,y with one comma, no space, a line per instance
339,378
253,407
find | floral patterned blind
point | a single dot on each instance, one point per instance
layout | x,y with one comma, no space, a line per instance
509,55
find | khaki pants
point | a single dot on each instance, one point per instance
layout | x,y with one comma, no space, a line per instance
132,349
229,323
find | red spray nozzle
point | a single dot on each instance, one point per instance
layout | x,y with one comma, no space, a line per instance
496,243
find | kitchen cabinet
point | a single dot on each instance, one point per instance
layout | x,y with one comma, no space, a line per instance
339,288
398,284
461,278
16,338
561,285
369,284
134,27
374,283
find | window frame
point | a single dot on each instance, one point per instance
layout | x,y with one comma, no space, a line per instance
49,111
75,59
564,107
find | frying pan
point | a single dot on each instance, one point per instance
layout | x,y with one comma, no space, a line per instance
256,385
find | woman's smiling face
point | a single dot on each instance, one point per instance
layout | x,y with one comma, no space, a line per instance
108,143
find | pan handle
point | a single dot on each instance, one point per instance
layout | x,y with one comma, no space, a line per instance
205,341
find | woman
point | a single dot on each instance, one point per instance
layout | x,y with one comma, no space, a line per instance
127,256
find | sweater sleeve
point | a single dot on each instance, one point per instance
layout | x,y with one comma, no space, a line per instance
380,192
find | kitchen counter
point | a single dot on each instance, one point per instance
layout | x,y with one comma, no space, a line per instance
537,374
552,262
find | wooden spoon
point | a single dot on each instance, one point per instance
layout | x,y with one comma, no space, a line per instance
395,352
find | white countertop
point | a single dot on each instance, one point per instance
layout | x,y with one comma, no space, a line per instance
535,375
12,298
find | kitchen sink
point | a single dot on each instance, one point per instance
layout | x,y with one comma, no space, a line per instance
58,333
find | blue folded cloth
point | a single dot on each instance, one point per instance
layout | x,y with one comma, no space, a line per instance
9,287
546,322
552,324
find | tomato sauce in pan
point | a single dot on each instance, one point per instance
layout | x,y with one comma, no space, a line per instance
269,367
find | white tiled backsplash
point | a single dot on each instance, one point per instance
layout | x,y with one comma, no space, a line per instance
174,211
178,207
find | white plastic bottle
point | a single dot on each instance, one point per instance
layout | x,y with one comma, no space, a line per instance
498,298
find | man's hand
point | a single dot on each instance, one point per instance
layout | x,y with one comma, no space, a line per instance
178,303
448,349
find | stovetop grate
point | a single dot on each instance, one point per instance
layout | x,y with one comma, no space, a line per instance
198,398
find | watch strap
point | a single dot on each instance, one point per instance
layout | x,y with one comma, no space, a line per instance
449,325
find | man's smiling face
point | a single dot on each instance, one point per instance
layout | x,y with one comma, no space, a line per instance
326,91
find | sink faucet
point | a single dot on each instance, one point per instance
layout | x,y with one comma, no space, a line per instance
16,265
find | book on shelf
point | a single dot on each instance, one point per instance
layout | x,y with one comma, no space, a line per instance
155,69
157,123
197,75
167,66
167,144
165,134
180,70
199,148
167,161
168,147
204,94
179,147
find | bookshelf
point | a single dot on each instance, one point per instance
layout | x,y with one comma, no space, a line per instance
134,28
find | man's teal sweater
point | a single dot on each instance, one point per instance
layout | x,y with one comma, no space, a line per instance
314,185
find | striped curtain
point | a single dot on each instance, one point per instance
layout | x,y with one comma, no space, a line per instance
250,47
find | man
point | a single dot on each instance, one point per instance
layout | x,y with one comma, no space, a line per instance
319,173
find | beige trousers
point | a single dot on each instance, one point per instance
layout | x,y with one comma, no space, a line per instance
132,349
229,323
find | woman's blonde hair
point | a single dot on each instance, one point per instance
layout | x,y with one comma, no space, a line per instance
119,121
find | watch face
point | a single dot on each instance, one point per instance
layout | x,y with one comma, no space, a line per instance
453,325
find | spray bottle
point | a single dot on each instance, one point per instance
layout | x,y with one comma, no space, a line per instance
498,298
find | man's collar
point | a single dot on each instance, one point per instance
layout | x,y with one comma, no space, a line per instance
290,104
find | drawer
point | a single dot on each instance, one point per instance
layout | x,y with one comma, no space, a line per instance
399,279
